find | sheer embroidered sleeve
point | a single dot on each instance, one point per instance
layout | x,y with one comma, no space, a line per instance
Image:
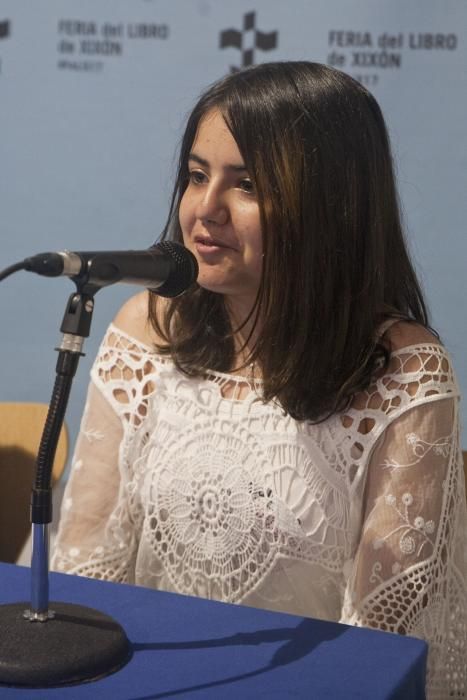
409,572
99,521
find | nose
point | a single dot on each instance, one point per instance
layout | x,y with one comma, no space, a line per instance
212,206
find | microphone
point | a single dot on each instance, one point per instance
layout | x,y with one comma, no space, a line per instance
166,268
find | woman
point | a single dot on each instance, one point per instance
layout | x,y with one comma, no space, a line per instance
284,435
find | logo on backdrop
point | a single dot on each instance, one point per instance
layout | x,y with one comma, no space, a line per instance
369,55
5,28
5,31
88,45
248,40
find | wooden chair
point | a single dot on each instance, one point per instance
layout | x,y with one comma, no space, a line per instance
464,455
21,426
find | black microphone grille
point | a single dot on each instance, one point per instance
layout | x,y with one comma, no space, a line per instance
184,272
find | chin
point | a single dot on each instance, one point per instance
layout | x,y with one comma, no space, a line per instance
213,287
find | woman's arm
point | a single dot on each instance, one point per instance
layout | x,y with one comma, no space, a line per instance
84,545
97,533
409,571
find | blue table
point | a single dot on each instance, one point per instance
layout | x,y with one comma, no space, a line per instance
191,648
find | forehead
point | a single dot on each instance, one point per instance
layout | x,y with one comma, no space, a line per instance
213,133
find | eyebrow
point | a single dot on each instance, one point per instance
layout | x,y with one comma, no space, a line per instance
236,168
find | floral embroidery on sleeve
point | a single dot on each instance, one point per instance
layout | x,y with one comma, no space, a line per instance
414,535
420,449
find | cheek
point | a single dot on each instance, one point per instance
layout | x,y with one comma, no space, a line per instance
254,235
183,214
186,212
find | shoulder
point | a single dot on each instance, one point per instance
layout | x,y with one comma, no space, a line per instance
133,319
419,371
419,365
404,334
414,349
126,363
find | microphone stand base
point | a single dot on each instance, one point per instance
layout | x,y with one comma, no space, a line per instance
76,645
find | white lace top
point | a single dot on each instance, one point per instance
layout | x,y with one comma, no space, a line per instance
196,486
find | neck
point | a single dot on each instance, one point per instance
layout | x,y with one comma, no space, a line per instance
246,329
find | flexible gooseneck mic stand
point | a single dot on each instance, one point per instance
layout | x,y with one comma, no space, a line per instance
42,647
71,643
75,327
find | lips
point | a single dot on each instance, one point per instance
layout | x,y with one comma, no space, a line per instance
206,244
209,241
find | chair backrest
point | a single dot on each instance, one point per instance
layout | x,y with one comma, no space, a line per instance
21,426
464,455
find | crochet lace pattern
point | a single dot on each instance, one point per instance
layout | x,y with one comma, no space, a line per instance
194,485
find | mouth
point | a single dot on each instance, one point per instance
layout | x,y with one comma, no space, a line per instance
206,244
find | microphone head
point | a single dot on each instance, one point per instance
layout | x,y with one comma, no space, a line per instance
184,269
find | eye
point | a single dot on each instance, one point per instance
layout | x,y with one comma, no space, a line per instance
196,177
246,185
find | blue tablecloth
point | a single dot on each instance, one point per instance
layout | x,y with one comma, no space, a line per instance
191,648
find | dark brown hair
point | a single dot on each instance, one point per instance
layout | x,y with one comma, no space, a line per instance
335,262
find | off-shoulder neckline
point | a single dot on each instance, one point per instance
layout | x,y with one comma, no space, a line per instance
420,347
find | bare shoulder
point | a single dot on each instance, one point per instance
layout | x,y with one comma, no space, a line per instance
403,334
133,319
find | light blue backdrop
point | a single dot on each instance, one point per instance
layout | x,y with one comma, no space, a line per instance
93,96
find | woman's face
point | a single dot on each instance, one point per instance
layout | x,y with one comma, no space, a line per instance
219,214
